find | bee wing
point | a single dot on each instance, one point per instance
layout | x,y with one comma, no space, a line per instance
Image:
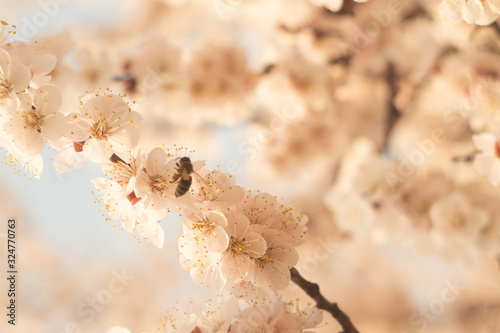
198,165
198,178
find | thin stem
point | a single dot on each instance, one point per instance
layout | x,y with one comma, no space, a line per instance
312,289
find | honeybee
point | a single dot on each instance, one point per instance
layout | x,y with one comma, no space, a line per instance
184,169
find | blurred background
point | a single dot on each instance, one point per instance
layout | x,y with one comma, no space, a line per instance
362,117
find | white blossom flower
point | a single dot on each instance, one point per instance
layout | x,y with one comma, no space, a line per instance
247,290
182,320
453,216
154,181
206,228
150,228
258,207
289,219
216,190
116,202
35,59
481,12
14,78
272,270
71,154
21,161
105,125
35,119
125,170
487,162
217,318
310,317
244,246
262,317
204,268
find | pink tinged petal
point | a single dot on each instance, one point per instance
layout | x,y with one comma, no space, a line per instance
287,323
254,244
471,11
39,80
156,161
135,118
21,52
237,225
450,10
310,317
47,99
159,238
220,240
25,102
54,127
98,151
484,142
217,218
154,231
45,64
483,163
111,107
68,159
20,77
76,130
10,104
125,139
495,5
487,15
100,183
232,196
285,254
5,64
235,268
142,184
477,12
30,142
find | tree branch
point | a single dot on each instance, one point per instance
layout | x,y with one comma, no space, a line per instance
393,113
312,289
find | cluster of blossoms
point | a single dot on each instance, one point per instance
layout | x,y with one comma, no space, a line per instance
28,104
233,238
233,316
30,115
240,240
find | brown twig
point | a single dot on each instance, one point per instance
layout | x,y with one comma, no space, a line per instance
312,289
393,113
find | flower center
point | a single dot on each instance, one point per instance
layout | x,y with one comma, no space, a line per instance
122,172
158,184
204,226
33,119
98,130
260,262
5,88
236,247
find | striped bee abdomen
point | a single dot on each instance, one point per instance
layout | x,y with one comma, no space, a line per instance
183,186
183,176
